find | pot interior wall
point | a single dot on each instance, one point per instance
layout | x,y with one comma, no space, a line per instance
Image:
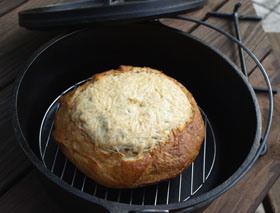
214,82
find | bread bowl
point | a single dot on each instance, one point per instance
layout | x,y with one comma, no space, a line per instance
129,127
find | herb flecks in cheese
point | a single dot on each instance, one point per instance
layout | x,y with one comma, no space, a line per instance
131,111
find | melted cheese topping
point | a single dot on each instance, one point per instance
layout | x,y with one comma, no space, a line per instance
131,111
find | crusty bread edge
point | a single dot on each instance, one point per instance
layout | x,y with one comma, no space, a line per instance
111,169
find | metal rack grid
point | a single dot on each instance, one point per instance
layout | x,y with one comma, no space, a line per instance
175,190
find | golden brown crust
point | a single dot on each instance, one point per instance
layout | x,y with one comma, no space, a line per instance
112,169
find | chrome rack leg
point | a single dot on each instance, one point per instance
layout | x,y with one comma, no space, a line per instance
236,17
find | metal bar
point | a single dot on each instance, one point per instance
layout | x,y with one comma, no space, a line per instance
204,150
264,150
144,193
95,190
106,194
260,89
168,191
270,112
210,129
48,139
229,16
236,18
76,85
196,190
73,87
43,152
187,198
119,195
131,197
74,176
156,196
238,35
49,134
64,167
53,164
192,178
180,188
255,59
83,185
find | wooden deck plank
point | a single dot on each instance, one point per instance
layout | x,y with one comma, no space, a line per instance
269,164
8,5
251,32
212,5
17,44
13,162
253,38
272,200
274,39
35,198
256,40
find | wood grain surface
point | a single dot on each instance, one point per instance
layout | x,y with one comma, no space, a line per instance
21,191
8,5
255,182
13,162
213,5
35,199
251,32
274,39
272,200
16,43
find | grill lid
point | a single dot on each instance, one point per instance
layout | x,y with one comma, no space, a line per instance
88,12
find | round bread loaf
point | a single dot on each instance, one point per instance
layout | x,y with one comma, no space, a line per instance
129,127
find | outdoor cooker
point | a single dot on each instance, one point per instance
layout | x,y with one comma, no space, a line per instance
226,99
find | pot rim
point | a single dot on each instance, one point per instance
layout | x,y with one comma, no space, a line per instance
189,205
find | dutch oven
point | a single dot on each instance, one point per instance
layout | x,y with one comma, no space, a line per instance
226,99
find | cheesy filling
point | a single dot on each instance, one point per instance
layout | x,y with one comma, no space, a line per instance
131,111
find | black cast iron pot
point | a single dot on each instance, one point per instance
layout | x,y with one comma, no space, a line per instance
220,89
